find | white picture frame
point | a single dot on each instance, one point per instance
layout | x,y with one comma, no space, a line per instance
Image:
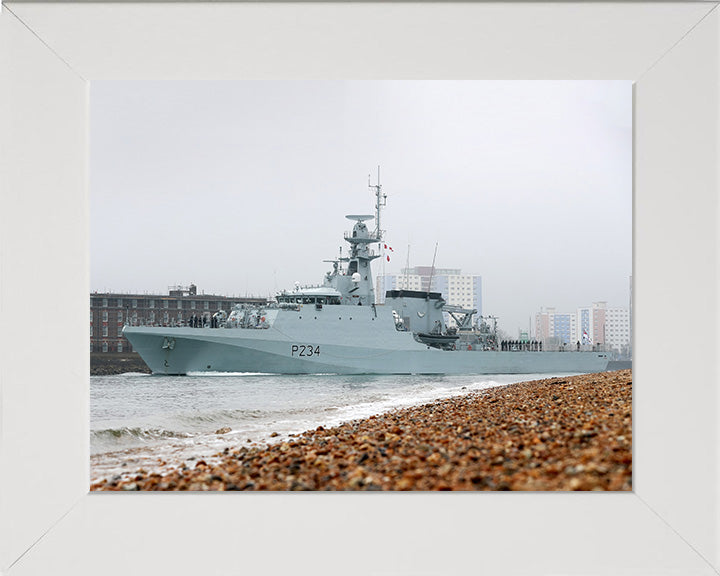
50,53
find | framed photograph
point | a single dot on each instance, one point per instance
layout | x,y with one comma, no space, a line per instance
245,185
50,56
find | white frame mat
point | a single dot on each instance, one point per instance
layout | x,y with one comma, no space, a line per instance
50,54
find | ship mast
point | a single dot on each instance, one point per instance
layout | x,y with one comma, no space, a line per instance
432,271
380,201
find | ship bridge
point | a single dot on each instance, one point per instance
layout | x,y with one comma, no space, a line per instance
310,295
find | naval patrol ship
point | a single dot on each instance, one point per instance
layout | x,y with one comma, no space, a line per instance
337,328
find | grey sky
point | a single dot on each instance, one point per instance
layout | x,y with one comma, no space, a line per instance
242,187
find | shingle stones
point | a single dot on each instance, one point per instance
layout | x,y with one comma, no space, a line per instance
570,433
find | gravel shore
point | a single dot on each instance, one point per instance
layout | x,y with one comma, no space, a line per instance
572,433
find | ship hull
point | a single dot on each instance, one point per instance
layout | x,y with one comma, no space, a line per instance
346,340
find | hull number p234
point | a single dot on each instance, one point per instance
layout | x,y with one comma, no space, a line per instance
302,350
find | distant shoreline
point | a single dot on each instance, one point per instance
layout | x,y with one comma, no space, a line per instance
566,433
109,363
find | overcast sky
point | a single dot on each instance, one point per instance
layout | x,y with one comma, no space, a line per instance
243,187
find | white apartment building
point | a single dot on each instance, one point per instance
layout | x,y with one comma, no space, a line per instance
617,329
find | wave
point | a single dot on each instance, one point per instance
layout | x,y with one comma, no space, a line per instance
137,433
221,416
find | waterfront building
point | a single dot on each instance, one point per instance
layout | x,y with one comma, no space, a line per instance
591,325
110,311
617,331
556,330
564,327
630,320
584,325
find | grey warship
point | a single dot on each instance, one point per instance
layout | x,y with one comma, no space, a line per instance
337,328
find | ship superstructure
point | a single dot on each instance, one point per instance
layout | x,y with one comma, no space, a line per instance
336,327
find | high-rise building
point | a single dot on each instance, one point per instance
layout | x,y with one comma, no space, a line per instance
617,330
591,323
630,320
564,328
555,329
588,326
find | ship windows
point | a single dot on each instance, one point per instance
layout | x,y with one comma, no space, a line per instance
311,300
317,300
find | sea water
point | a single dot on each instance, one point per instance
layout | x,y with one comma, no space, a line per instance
155,422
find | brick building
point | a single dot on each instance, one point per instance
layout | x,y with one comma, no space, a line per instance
109,312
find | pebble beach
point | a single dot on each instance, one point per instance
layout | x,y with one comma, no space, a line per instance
559,434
